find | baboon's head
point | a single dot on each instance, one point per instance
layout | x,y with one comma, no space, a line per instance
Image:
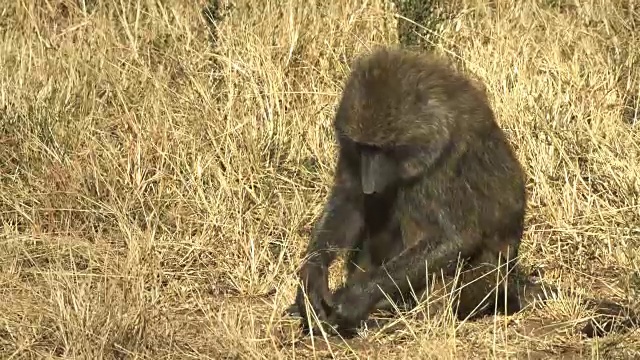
386,116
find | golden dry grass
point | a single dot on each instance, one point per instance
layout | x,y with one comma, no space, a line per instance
157,191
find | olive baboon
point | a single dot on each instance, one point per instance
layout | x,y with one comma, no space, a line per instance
426,181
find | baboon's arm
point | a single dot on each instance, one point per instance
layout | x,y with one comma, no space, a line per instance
354,300
338,228
341,221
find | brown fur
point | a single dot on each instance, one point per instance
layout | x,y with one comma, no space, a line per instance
425,178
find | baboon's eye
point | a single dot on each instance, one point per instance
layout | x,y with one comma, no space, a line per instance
403,152
345,141
366,148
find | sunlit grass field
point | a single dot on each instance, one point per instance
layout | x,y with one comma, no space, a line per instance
160,171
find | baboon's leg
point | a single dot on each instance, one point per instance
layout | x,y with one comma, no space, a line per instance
486,289
489,281
524,291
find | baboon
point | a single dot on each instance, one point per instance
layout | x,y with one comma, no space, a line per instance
425,182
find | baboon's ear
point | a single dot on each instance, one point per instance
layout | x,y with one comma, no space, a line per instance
377,171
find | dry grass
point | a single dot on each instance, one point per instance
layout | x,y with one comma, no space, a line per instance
156,190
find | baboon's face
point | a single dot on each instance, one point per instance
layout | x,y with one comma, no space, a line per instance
385,166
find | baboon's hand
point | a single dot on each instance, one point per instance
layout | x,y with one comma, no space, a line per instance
350,309
292,310
319,297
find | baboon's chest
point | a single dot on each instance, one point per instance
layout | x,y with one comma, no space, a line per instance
379,210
